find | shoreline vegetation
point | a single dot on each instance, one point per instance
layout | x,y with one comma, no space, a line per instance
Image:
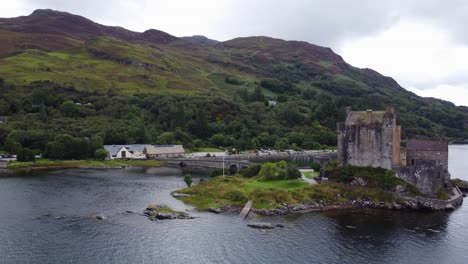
349,187
232,192
229,194
88,164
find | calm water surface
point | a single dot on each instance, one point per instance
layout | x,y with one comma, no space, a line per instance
77,237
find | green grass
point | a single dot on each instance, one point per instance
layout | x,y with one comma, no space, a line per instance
459,183
46,163
222,192
310,174
278,184
208,150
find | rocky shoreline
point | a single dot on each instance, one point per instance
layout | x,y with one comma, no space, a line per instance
400,203
312,206
162,212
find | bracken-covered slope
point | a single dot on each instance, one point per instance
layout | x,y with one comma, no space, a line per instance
308,82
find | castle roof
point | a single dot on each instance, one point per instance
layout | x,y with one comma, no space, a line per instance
355,117
427,145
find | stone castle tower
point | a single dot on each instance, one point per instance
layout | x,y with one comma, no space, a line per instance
373,138
369,138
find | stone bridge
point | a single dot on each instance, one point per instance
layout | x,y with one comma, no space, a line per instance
235,162
231,166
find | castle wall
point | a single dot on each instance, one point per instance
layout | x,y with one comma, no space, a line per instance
426,175
438,156
396,144
367,144
373,139
342,146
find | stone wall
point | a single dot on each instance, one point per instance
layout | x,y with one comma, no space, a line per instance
438,156
367,144
423,203
426,175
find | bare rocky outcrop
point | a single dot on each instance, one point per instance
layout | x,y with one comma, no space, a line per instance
162,212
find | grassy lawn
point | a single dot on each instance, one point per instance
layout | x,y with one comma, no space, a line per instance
279,184
208,150
46,163
310,174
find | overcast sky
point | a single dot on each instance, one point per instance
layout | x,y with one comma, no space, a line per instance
421,43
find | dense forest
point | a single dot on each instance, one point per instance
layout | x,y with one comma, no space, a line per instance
69,83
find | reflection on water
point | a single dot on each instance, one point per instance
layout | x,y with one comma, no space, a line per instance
71,233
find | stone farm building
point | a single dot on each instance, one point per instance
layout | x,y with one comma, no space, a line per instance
373,138
143,151
163,151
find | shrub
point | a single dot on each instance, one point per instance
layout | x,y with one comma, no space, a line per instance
188,179
347,174
279,171
269,171
332,165
315,166
251,171
232,80
236,196
293,172
216,173
100,154
442,194
26,154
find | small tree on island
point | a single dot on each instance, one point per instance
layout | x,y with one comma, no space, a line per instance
188,179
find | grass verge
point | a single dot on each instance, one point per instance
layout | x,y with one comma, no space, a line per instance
46,163
310,174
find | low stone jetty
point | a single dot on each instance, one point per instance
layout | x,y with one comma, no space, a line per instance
246,210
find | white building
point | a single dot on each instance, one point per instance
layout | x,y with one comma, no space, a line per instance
125,151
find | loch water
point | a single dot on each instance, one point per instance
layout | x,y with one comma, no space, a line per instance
67,202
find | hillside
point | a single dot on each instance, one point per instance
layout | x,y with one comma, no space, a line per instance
65,74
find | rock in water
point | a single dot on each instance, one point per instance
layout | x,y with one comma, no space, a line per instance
100,217
261,225
162,212
215,210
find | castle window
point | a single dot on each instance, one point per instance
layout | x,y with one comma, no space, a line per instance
412,161
438,174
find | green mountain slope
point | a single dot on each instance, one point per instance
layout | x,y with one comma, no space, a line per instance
131,87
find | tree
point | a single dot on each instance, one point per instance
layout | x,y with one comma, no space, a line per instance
96,143
296,138
292,172
25,155
70,109
166,138
217,140
100,154
188,179
270,171
347,174
315,166
281,144
42,113
12,146
257,95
